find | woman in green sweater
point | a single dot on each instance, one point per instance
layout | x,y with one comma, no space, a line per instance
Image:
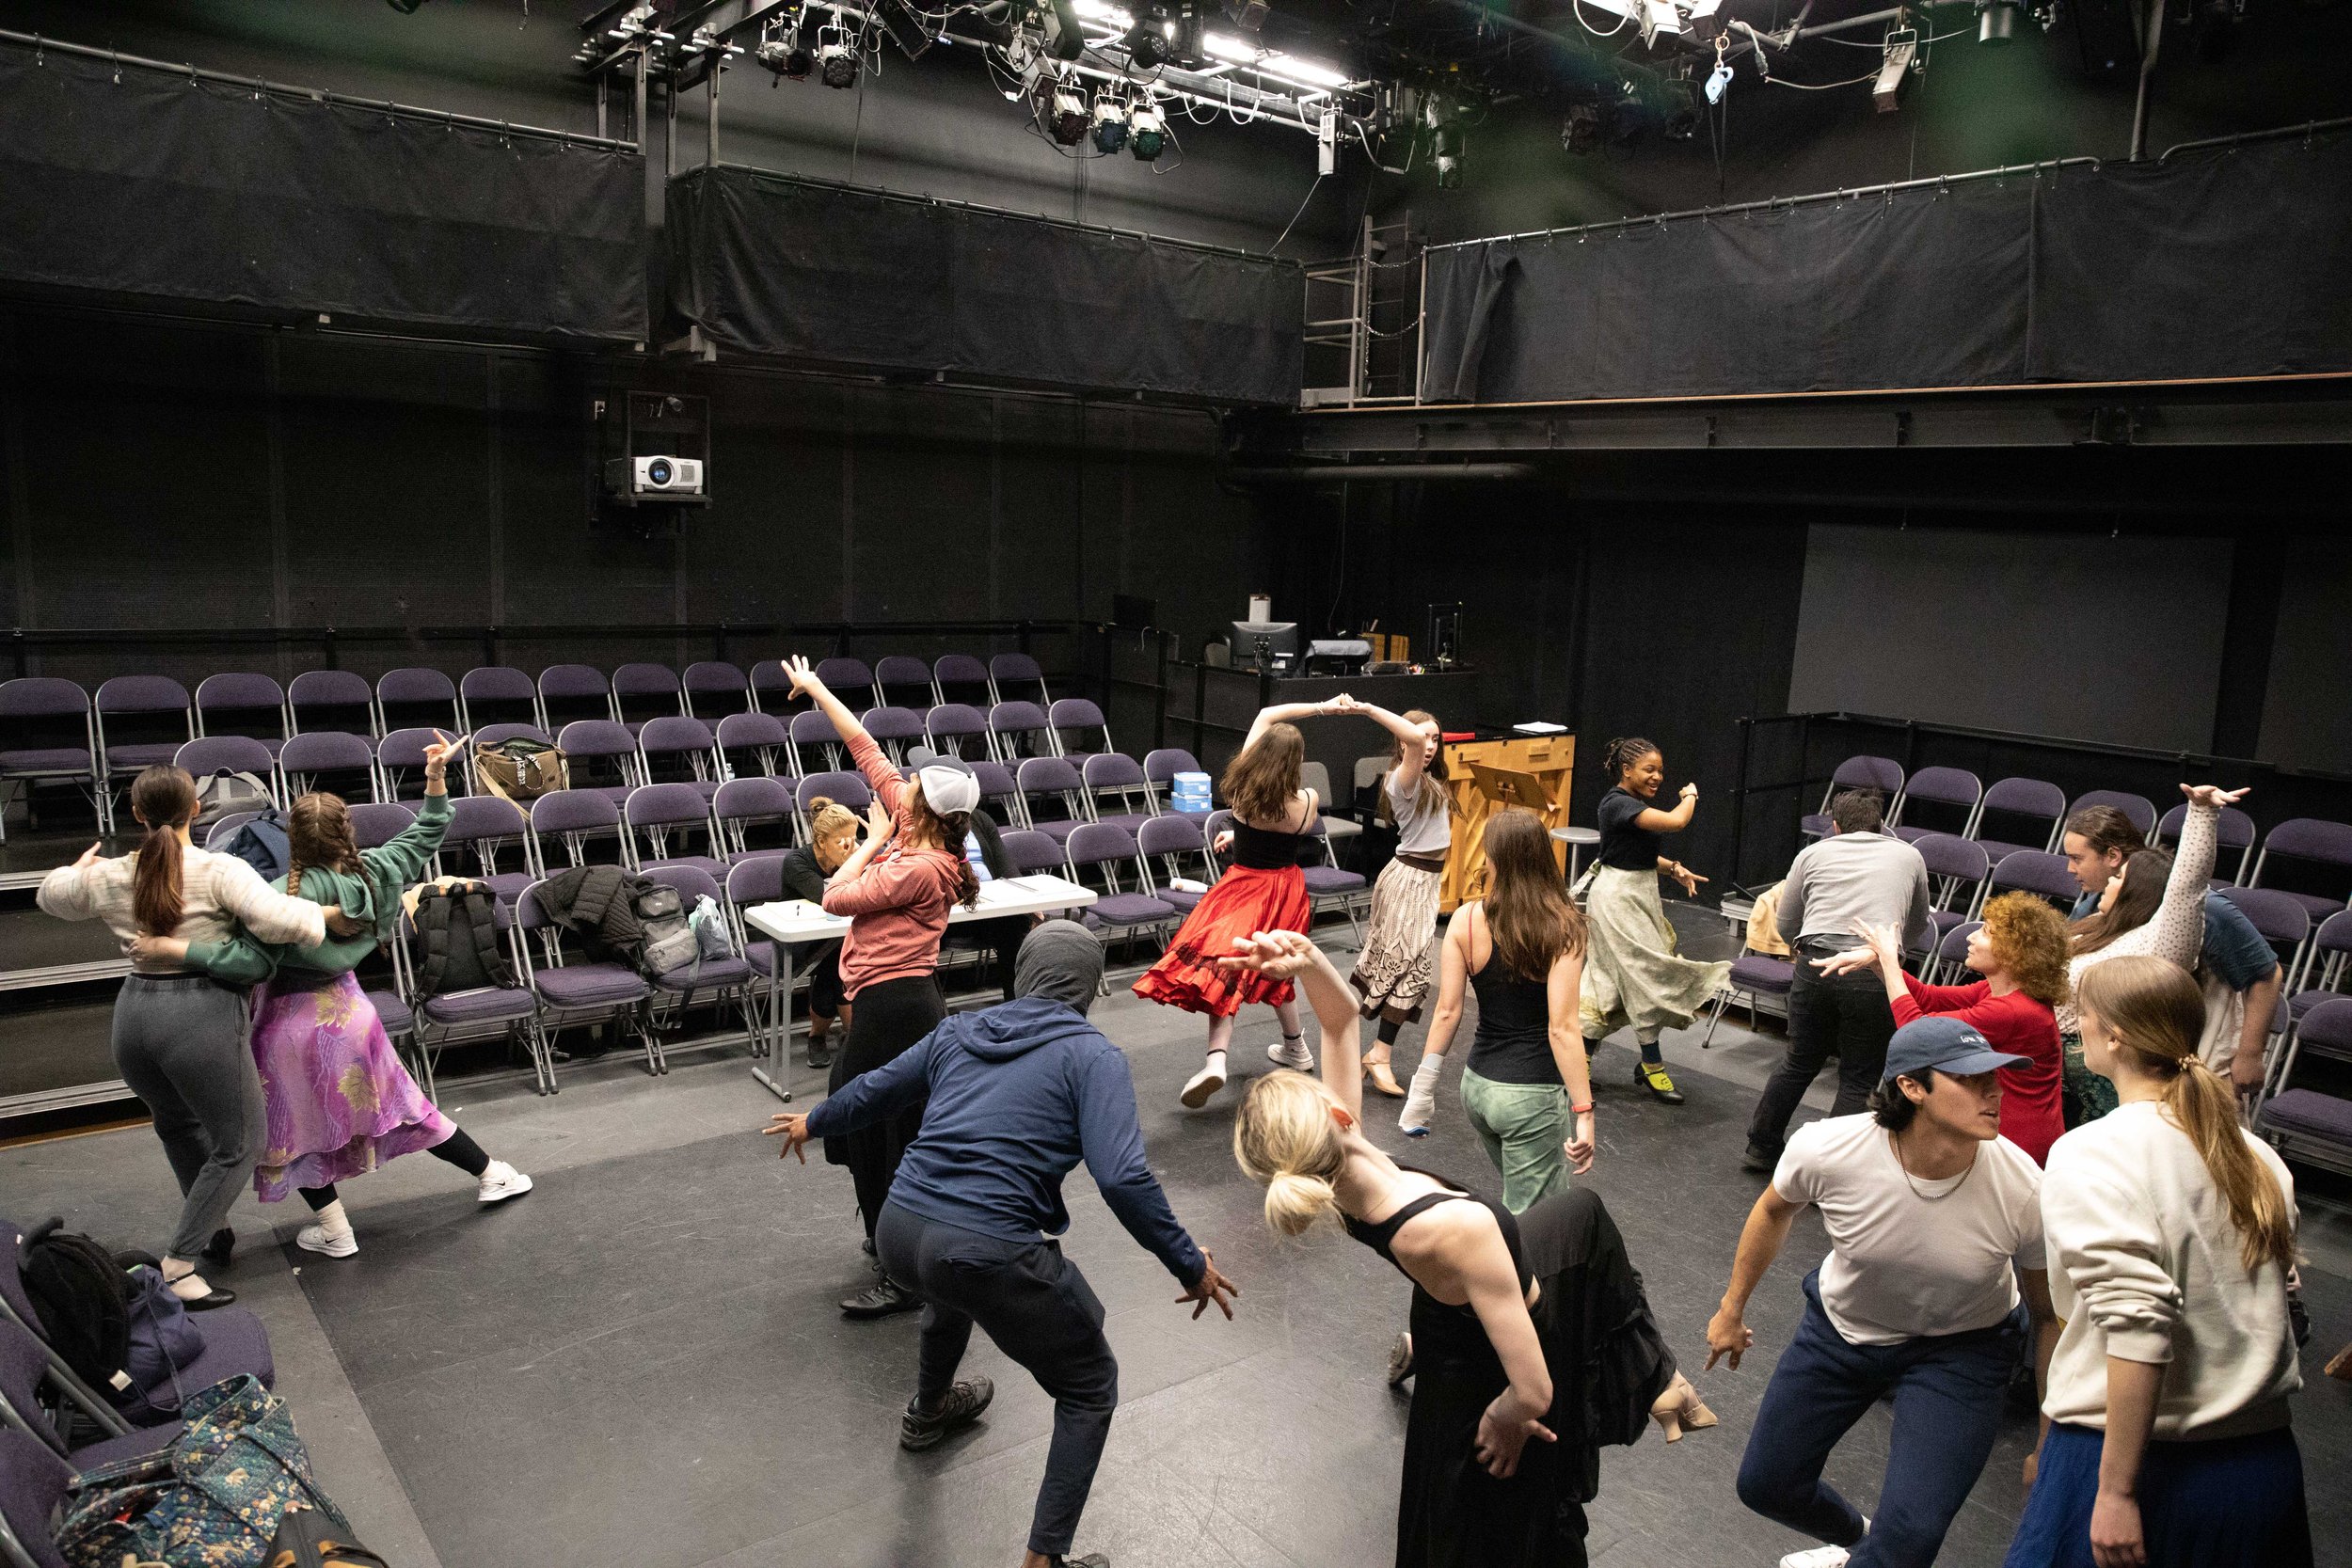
340,1101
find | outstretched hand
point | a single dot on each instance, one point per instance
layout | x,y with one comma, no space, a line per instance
89,857
1279,955
437,755
803,677
1212,1287
793,1129
2214,795
1689,878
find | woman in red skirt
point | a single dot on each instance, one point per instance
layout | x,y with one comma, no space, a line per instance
1262,890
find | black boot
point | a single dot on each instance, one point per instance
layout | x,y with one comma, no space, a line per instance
218,1250
882,1301
961,1408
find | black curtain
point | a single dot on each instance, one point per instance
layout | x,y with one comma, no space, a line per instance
142,182
796,267
2223,261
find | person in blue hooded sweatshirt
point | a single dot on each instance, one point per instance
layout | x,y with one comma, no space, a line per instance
1018,1093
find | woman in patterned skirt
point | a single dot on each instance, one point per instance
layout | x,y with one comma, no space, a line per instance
1395,971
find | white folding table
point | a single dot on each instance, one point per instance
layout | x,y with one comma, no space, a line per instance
797,920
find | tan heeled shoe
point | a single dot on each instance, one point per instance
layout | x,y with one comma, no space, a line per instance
1380,1077
1679,1407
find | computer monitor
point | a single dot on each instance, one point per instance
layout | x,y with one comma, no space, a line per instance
1261,642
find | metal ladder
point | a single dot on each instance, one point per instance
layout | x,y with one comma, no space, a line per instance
1363,324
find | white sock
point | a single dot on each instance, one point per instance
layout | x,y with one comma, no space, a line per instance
1216,1063
1426,1076
333,1219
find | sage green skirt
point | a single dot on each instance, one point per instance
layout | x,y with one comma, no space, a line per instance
1634,976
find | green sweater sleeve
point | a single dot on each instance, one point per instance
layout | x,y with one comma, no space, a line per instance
241,960
394,866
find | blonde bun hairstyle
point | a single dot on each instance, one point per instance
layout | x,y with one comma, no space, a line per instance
1285,1140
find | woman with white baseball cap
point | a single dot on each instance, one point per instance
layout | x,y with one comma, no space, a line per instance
897,889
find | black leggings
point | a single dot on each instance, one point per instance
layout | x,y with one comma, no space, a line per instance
885,1019
457,1148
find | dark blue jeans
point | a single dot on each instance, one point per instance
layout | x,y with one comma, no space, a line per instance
1948,1396
1041,1312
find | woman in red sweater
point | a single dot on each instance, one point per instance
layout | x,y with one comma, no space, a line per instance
2021,951
897,889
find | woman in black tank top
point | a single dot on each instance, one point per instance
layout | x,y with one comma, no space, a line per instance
1532,1344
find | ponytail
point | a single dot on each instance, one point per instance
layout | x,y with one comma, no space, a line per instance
163,797
2152,1009
949,833
1622,752
1285,1138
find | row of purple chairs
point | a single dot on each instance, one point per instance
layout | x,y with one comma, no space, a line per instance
2309,1124
2039,810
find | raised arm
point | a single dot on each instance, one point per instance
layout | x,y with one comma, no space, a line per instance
2179,922
1652,820
403,858
1290,713
1287,956
883,778
66,893
1408,773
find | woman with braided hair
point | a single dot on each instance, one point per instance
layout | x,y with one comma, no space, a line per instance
339,1103
1633,975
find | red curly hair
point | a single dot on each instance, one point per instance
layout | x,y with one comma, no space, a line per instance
2029,939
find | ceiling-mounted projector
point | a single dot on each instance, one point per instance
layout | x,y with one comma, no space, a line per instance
654,476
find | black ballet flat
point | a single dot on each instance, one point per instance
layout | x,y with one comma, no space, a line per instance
218,1297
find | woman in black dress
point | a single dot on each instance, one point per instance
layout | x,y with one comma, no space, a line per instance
1533,1346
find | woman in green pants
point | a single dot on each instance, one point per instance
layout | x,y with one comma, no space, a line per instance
1527,1086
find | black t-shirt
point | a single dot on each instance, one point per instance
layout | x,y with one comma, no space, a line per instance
1623,845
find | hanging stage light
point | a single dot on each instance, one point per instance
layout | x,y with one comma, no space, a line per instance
1065,39
1248,15
1186,42
1996,20
1148,138
1147,41
1110,124
1068,117
787,57
1901,47
837,65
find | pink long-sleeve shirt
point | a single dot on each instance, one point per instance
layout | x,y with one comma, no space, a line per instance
899,905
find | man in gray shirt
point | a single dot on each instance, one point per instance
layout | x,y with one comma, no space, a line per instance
1857,876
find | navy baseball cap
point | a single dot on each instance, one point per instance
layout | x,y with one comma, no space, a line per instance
1947,1045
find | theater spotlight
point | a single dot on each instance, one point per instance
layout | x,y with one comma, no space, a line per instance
1147,41
1065,39
1068,117
1902,44
1147,135
1996,20
1187,45
1110,124
837,65
1248,15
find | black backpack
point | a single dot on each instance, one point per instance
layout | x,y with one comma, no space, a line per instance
261,845
670,943
82,1299
458,927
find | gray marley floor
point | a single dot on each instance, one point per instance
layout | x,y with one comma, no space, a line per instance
641,1362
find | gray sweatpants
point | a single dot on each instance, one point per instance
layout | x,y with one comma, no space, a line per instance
178,1041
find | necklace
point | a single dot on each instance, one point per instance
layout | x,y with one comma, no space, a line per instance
1896,1139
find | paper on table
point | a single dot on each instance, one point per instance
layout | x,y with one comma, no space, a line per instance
1540,726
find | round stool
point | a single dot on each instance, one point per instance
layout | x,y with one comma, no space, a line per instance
1577,839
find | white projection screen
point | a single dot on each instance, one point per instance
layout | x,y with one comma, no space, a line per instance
2083,637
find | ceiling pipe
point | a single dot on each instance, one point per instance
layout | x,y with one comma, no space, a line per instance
1324,473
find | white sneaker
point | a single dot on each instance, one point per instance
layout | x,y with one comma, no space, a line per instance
317,1238
1204,1083
501,1182
1824,1557
1292,1053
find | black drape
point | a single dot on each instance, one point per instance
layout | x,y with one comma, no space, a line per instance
2224,262
139,181
780,265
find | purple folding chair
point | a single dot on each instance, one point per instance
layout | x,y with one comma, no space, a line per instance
333,700
1327,884
2314,840
1102,856
418,698
155,707
893,729
715,688
1884,774
2306,1124
241,703
1053,795
1032,853
1957,870
1219,821
956,730
757,801
905,681
487,1013
572,693
576,990
1001,790
1115,786
23,1365
1162,766
601,754
680,748
749,883
1953,789
2030,800
47,736
814,741
1754,976
1019,730
572,817
667,813
2142,810
771,688
2330,949
377,823
758,743
495,694
400,764
1171,848
1948,965
2233,831
329,759
641,691
851,680
1015,677
847,789
480,825
33,1480
2283,919
208,755
726,981
2035,871
959,679
1079,728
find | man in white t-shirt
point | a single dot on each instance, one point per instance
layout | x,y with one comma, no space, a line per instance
1934,1220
